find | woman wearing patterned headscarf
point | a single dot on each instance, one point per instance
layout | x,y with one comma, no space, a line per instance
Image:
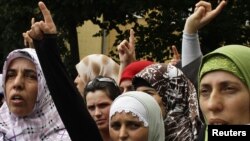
28,112
136,116
177,98
224,86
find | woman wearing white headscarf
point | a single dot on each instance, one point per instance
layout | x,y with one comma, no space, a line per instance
17,121
136,116
1,91
67,99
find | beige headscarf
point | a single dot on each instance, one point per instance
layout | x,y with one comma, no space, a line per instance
94,65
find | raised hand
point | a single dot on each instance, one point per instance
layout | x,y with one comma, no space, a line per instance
46,26
176,56
126,49
202,15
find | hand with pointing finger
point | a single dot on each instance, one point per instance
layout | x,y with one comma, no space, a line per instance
176,56
126,49
46,26
203,14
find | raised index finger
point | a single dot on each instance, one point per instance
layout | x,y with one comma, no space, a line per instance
176,54
46,13
132,37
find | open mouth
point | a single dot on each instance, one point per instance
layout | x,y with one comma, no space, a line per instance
17,99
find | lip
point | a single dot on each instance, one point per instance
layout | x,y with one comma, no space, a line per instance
100,121
18,101
217,121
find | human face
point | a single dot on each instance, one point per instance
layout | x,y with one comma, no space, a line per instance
79,84
21,86
98,104
126,85
224,99
155,95
126,127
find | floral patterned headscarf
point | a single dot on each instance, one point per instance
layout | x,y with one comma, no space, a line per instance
44,122
179,96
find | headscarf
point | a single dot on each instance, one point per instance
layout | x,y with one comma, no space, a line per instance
230,58
179,97
145,108
1,86
44,122
133,68
94,65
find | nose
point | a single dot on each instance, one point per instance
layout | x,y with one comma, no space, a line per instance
76,80
18,82
98,112
215,102
123,134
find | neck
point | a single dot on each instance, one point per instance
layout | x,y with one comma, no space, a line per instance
105,135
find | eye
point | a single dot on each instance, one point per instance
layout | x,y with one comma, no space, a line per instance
230,89
91,108
204,91
134,125
130,88
30,75
103,105
115,125
10,74
121,89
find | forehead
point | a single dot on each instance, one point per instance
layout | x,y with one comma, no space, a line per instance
219,76
97,96
126,83
21,63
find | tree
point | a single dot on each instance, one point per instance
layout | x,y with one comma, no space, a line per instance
68,14
165,21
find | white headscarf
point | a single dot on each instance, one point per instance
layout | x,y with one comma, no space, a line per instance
1,86
44,122
145,108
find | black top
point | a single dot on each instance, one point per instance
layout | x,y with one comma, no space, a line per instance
65,95
191,71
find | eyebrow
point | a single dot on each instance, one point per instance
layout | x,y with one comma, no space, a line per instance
225,82
24,70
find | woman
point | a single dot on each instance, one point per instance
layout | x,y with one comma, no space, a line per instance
176,96
224,86
66,97
1,91
93,65
99,95
136,116
129,72
28,112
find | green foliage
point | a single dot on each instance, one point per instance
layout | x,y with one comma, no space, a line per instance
165,21
154,41
228,28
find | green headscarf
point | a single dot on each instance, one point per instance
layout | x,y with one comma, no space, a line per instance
231,58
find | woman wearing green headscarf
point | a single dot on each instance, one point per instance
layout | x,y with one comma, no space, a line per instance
224,86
